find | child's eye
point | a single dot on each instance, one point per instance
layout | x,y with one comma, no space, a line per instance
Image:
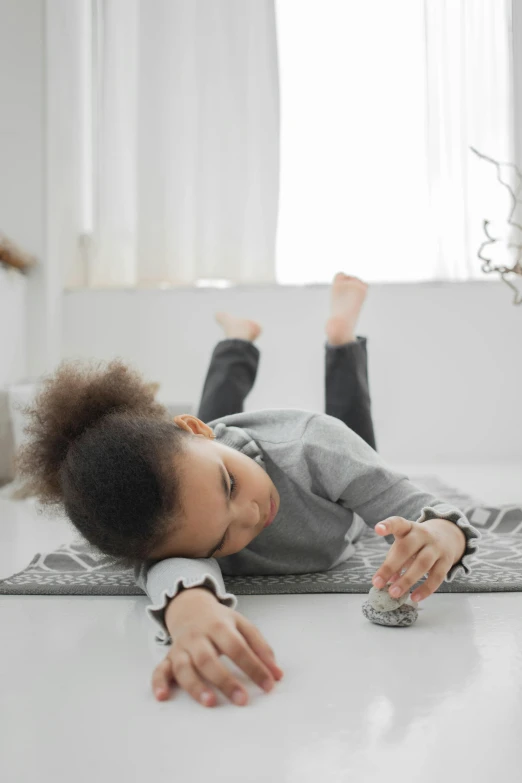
233,490
233,485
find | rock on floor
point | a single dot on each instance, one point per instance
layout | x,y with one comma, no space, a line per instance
400,618
382,601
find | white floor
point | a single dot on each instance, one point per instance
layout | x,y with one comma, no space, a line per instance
441,701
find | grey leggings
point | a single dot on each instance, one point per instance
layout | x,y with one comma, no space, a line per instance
233,369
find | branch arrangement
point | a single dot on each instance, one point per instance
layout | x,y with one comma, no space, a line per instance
517,266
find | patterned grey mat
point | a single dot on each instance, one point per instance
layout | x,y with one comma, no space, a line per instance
73,570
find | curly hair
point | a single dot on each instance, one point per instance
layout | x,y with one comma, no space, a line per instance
103,450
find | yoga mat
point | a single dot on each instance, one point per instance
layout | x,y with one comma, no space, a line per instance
74,569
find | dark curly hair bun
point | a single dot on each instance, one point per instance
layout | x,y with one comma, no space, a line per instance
102,447
77,397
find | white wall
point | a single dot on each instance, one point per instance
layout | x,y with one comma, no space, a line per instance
516,11
35,172
21,168
13,355
445,371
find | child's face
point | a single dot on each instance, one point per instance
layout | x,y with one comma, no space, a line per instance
222,492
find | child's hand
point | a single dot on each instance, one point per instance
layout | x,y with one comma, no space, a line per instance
202,629
432,546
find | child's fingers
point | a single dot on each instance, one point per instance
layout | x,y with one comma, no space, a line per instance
401,552
432,583
398,574
423,563
203,661
162,679
235,646
396,526
259,645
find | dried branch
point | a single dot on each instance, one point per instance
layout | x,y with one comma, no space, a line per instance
517,266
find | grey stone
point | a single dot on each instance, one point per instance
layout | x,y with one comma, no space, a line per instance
401,617
381,600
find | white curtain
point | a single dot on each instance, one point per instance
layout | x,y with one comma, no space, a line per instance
186,147
380,103
470,103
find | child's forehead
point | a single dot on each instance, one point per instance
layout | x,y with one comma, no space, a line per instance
201,466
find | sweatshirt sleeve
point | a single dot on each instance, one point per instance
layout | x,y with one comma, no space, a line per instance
346,470
163,580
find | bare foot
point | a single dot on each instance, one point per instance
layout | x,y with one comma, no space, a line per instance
238,328
348,295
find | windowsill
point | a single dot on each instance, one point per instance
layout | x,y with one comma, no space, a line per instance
161,287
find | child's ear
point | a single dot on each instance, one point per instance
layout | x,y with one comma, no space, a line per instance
194,425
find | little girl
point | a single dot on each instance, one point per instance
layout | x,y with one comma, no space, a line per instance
267,492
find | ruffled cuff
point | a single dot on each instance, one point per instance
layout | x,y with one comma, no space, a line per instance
156,611
444,511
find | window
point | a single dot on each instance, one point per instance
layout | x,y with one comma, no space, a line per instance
370,93
379,104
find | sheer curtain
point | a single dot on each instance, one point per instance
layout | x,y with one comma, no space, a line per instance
380,104
470,103
186,144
